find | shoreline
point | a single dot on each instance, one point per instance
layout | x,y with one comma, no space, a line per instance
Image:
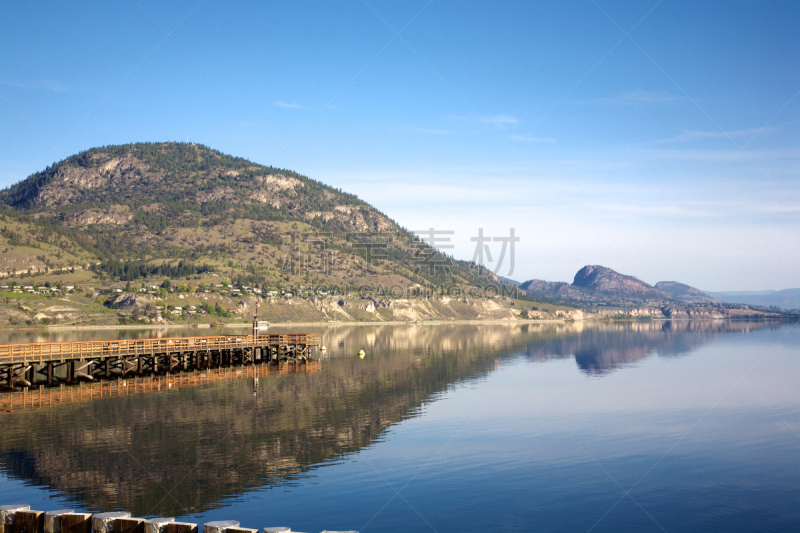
372,323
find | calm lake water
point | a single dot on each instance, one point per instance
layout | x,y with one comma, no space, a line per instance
662,426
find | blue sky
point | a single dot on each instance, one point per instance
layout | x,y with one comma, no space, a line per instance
656,138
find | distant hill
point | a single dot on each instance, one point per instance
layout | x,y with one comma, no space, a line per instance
598,285
684,293
785,299
136,206
509,281
602,279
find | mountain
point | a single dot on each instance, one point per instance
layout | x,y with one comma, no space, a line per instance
684,293
785,299
596,285
602,279
137,209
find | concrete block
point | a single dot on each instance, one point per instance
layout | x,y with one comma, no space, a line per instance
52,520
7,514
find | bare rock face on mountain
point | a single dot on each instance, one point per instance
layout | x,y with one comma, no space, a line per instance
600,278
598,285
684,293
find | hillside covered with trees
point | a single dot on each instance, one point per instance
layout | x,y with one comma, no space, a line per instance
139,210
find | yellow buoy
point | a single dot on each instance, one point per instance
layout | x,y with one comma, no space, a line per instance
361,354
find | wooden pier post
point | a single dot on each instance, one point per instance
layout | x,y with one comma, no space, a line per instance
219,526
129,525
104,522
156,525
180,527
76,523
29,522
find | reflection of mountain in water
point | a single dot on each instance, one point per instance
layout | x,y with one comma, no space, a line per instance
217,441
209,443
599,350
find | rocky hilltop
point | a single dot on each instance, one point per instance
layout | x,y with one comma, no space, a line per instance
602,279
596,285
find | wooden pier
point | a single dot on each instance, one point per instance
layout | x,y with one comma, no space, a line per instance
55,363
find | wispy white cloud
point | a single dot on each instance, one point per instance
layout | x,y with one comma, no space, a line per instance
638,97
693,135
527,139
44,85
288,105
721,155
780,208
638,209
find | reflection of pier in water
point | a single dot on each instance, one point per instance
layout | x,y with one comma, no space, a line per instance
83,392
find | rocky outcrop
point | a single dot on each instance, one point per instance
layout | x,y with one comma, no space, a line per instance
115,215
436,308
598,285
600,278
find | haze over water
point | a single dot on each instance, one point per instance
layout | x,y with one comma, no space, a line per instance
676,426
